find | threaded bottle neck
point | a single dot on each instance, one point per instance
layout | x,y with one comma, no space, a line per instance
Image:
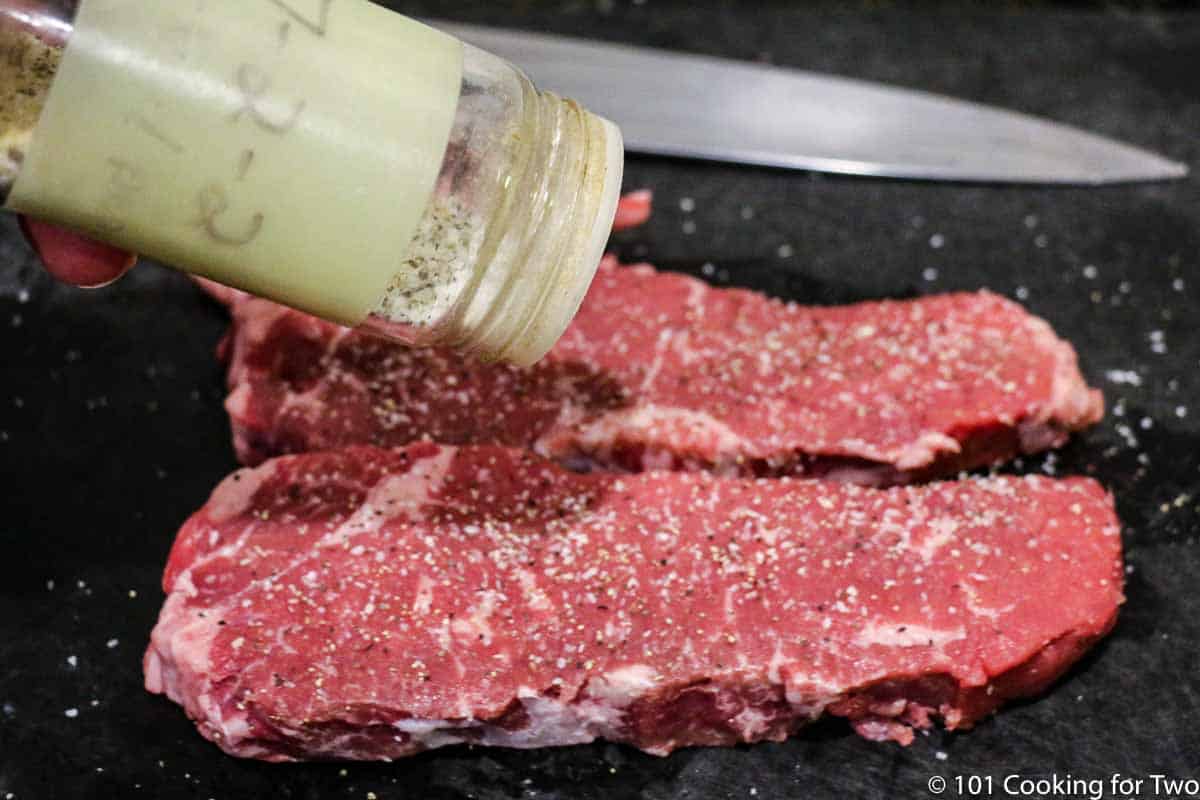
542,247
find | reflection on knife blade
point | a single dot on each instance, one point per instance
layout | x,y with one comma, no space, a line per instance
701,107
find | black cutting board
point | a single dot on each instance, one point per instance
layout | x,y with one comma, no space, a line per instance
112,431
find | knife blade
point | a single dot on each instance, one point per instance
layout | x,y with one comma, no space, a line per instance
718,109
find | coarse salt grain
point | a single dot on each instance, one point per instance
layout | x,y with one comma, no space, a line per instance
1124,376
937,241
71,713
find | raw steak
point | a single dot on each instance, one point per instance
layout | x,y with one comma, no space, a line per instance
660,370
634,209
370,604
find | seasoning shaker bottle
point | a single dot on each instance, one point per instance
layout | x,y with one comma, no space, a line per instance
328,154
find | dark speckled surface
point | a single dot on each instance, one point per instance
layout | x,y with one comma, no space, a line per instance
111,427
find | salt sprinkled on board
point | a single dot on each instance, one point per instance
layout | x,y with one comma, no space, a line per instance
72,661
1177,284
937,241
112,643
1158,342
941,755
71,713
786,251
1124,376
689,227
687,205
1126,433
930,274
1031,221
1090,272
747,213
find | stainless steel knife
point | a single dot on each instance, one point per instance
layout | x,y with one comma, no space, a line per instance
712,108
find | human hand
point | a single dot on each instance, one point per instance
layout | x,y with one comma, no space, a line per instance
74,258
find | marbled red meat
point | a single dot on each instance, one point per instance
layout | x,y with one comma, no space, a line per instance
370,604
660,370
634,209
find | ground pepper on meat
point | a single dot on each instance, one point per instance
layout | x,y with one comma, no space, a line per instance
961,596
